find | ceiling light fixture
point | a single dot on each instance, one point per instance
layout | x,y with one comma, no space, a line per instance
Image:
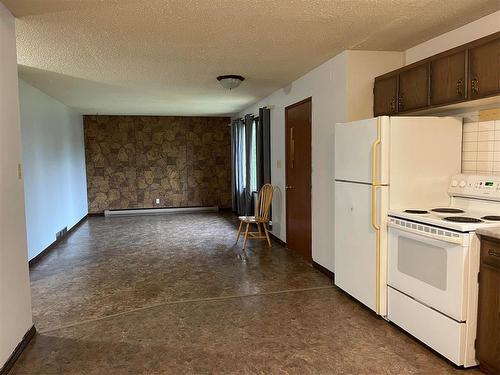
230,81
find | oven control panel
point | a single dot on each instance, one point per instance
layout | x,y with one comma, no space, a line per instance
475,186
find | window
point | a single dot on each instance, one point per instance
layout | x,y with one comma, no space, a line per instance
253,157
243,159
252,166
250,159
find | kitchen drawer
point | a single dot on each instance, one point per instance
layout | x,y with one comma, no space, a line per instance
444,335
490,253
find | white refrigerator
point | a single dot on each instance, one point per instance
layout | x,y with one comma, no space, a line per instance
382,163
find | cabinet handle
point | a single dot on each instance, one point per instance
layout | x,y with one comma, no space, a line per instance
475,85
393,104
401,105
494,253
460,85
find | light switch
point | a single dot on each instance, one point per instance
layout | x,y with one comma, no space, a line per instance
278,163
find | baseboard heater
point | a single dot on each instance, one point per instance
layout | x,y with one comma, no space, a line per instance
159,211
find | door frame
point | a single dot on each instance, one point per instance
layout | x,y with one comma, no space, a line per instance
308,99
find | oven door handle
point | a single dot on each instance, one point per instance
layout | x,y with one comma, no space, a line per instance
460,240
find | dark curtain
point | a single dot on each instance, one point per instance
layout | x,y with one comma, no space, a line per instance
264,150
238,166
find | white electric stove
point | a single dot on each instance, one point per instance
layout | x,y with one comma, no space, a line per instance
433,262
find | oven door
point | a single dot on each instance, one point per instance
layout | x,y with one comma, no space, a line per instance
429,269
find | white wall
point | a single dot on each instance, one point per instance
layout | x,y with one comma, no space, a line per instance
482,27
341,90
55,183
15,299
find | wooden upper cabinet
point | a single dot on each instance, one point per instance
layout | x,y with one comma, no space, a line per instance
413,88
484,64
467,72
385,93
448,79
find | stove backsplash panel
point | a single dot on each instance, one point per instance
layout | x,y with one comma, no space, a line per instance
481,148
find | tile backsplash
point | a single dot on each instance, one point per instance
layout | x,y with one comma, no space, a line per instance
481,148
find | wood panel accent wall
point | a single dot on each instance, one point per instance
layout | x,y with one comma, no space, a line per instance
133,160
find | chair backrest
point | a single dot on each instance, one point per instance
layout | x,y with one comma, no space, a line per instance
264,202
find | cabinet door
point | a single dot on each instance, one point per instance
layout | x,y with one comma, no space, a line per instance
448,79
414,88
385,96
484,64
488,340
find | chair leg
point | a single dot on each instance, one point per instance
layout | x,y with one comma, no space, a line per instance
267,235
258,227
239,231
246,237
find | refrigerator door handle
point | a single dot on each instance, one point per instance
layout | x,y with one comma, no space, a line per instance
375,163
375,224
376,227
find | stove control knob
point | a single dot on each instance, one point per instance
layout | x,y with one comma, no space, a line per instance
463,183
454,183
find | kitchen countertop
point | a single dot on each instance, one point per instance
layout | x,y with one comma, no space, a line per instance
493,232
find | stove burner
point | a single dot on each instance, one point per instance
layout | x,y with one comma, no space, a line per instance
416,211
448,210
491,218
462,219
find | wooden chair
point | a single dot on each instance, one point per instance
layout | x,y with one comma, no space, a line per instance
261,217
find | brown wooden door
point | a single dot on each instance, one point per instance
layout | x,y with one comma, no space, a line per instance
484,64
385,93
413,88
488,338
298,177
448,83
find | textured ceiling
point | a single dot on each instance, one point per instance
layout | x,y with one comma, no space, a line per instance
162,56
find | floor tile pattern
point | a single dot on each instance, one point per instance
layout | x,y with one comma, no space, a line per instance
171,295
